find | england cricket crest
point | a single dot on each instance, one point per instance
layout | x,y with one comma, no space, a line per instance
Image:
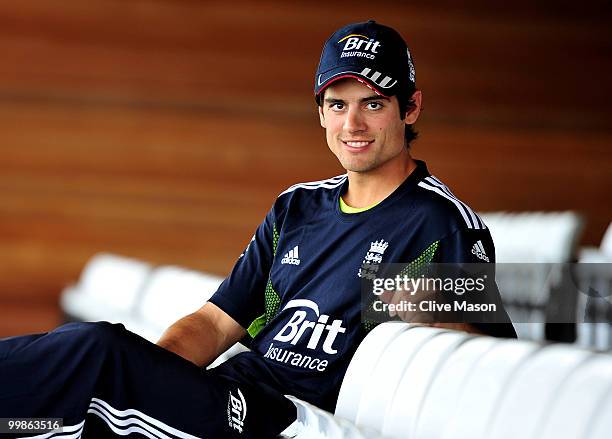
372,260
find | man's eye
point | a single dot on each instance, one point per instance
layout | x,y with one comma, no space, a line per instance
374,105
336,106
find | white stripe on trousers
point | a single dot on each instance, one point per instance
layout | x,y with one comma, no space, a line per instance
68,432
133,422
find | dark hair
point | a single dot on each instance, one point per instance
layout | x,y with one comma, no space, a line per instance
405,103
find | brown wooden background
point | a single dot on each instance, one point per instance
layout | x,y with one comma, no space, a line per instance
163,130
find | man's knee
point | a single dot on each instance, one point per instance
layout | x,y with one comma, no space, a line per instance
100,334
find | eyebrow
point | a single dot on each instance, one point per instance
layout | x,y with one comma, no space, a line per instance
362,100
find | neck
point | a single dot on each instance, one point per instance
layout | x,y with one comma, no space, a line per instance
371,187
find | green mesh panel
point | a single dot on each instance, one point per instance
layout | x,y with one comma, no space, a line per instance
272,302
272,299
368,325
413,269
275,237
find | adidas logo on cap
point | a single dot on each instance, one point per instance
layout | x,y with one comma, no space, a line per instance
479,251
292,257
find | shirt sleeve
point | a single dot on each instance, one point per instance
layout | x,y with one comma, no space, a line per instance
242,293
467,246
458,253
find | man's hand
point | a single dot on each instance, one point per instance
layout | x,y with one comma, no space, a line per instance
423,318
200,337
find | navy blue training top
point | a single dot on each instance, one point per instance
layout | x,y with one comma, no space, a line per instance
297,286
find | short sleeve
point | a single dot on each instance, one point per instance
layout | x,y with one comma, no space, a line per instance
241,295
467,246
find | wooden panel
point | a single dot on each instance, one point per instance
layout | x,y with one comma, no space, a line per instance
200,53
163,130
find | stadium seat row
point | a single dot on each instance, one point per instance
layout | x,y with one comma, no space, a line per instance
145,299
533,250
416,382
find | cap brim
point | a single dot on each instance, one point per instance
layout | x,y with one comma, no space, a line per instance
324,80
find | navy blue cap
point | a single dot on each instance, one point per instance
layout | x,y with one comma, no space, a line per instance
371,53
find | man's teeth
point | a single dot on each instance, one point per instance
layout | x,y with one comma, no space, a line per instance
357,144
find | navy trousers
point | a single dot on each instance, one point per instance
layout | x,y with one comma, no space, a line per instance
105,382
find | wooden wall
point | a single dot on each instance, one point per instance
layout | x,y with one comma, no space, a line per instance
164,129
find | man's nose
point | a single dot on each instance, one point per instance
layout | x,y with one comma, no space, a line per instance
354,121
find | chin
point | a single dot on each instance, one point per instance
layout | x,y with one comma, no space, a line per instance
359,168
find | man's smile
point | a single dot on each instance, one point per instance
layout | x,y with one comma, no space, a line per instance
357,143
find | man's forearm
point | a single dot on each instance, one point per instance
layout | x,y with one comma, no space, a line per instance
192,339
201,336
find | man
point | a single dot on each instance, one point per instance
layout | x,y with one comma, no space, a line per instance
294,292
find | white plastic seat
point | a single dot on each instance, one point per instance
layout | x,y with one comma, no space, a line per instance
483,389
606,242
594,255
601,421
455,386
172,293
571,413
108,289
131,292
402,416
547,237
443,396
532,390
596,335
526,284
362,366
314,423
595,285
379,389
531,238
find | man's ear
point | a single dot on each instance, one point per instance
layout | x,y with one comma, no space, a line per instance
321,116
413,112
